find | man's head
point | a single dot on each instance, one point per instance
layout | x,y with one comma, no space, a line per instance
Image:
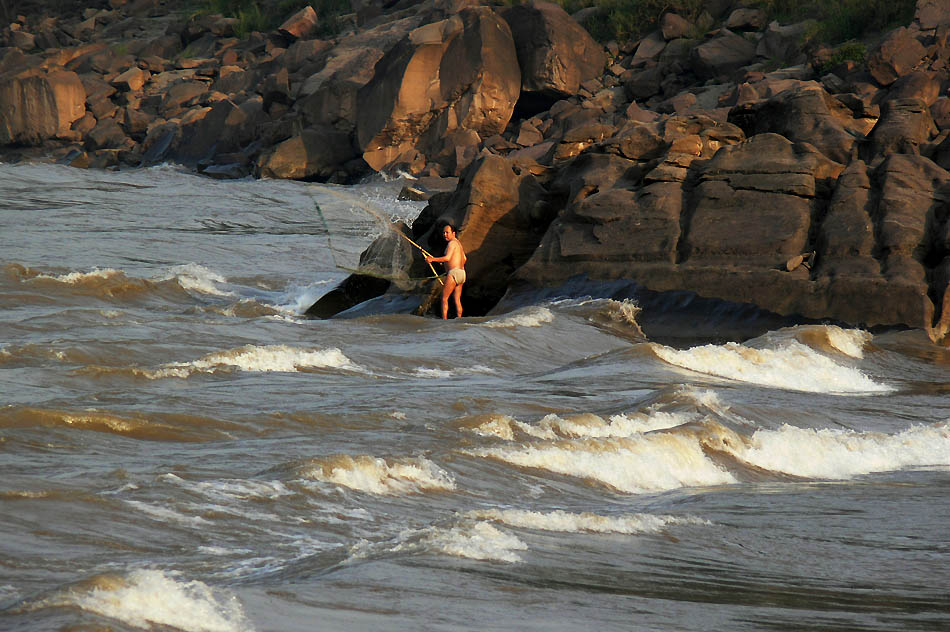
448,231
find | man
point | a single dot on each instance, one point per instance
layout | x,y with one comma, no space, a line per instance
454,261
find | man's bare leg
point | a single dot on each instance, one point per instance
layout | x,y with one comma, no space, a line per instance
457,295
447,290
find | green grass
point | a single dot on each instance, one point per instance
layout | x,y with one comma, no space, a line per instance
836,21
839,21
268,15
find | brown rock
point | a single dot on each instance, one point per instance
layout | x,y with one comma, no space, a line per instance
38,107
673,26
500,215
746,19
722,56
315,154
556,54
300,24
182,94
845,243
107,135
932,14
806,114
916,85
132,80
940,111
478,87
904,126
649,49
897,55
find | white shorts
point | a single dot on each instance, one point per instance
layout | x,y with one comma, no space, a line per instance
458,274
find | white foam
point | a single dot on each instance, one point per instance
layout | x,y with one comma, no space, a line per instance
637,464
146,598
585,522
431,373
588,425
476,541
232,489
793,366
380,476
850,342
166,514
533,317
272,358
843,454
198,278
74,278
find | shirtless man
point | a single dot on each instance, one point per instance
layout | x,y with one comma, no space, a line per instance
454,261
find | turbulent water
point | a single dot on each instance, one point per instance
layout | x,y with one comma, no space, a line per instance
181,450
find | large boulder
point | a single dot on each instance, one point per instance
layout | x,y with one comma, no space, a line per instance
458,73
555,53
755,202
722,56
39,106
501,216
897,55
805,113
315,154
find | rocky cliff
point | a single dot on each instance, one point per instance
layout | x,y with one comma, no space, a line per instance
728,163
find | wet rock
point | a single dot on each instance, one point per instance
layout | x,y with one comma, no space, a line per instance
315,154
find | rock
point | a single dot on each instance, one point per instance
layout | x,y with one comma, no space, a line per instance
746,19
182,94
845,243
38,107
640,142
755,201
932,14
673,26
300,24
940,111
898,54
132,80
905,124
23,40
478,87
555,53
722,56
223,128
782,43
916,85
500,215
806,113
107,135
648,49
315,154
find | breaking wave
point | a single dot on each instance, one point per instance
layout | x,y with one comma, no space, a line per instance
385,477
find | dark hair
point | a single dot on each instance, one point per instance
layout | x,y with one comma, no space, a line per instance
450,225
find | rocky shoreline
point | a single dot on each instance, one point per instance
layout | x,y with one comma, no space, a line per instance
727,163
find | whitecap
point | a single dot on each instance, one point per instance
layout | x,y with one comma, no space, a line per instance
380,476
842,454
533,317
585,522
146,598
793,366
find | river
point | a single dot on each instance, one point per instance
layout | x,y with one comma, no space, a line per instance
181,450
